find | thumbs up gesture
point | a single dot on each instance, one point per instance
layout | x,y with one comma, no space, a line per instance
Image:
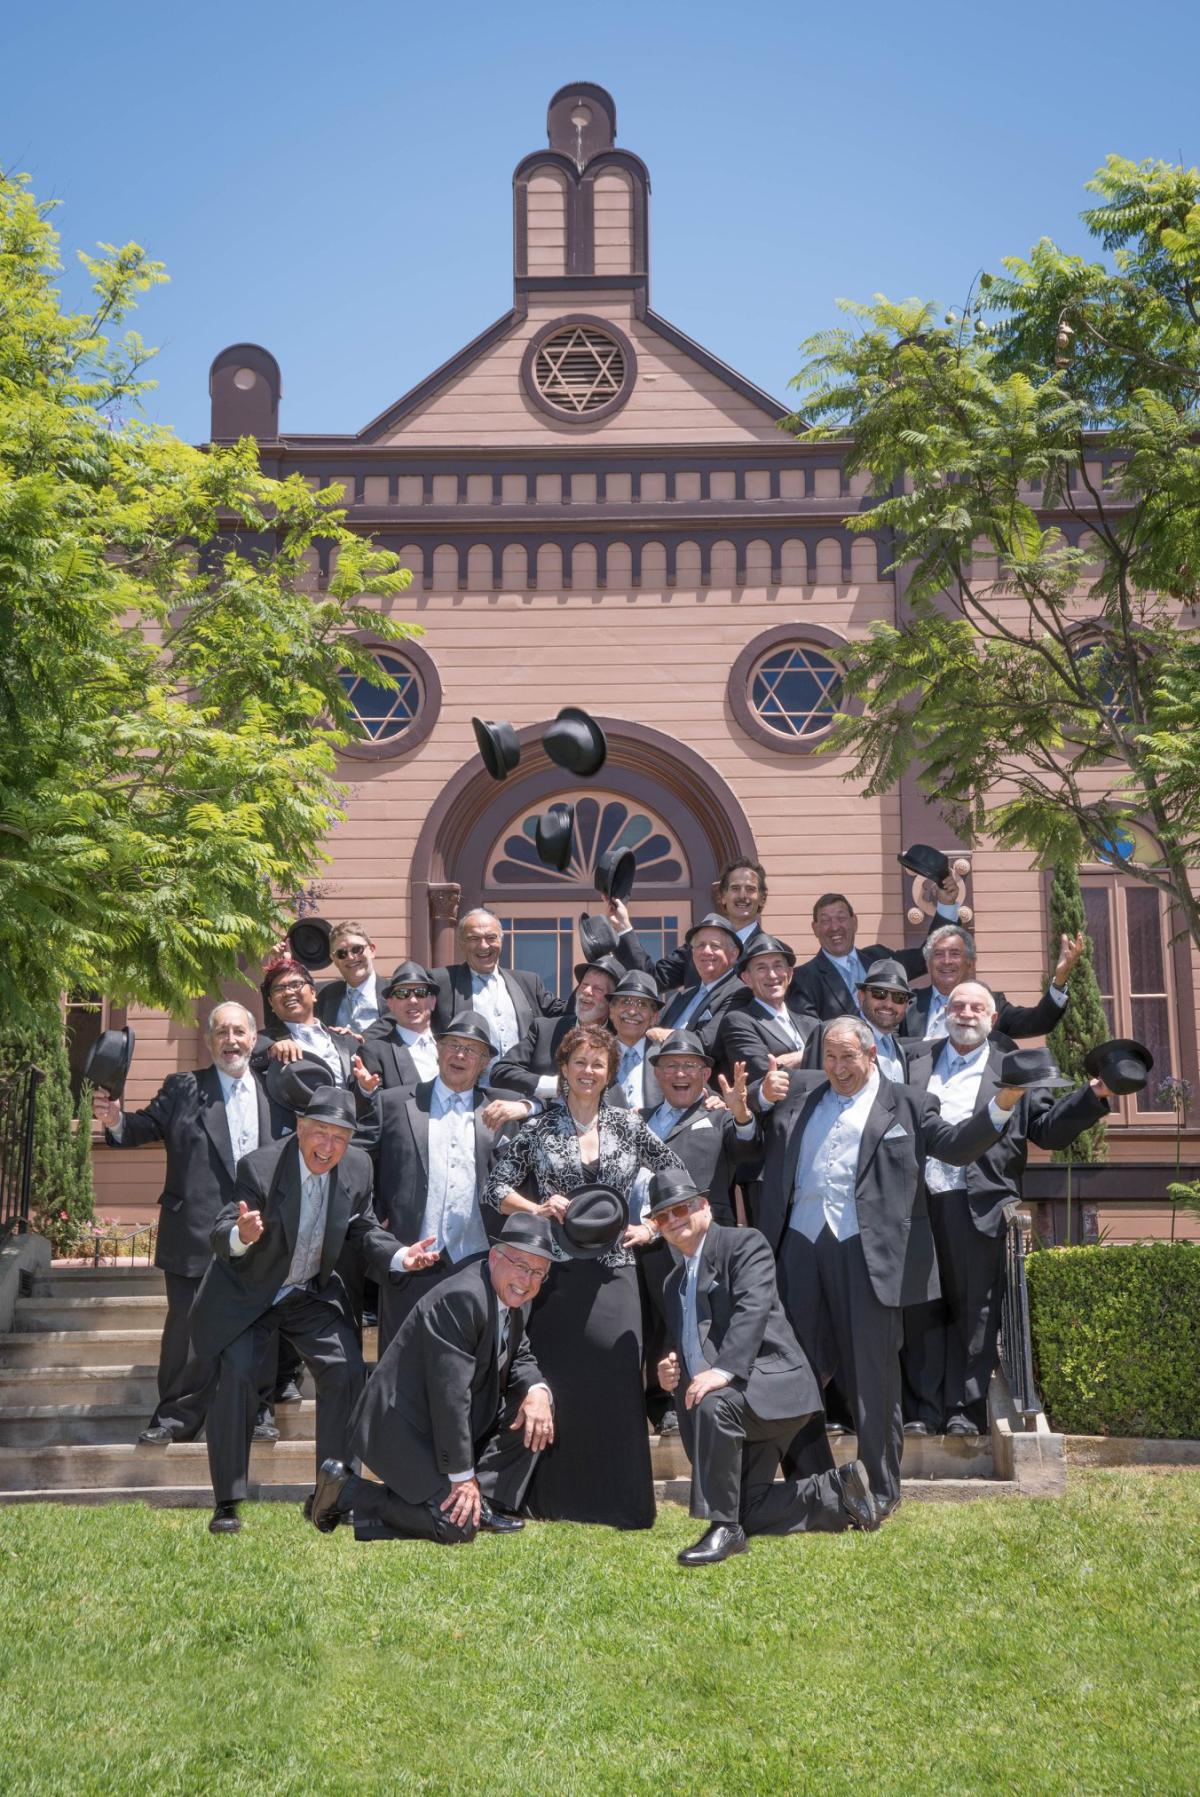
249,1223
774,1086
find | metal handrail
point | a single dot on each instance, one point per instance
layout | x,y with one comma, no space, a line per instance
106,1241
18,1115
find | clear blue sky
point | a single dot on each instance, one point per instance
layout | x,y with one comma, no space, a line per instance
334,182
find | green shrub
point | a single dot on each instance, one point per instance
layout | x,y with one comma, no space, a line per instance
1116,1338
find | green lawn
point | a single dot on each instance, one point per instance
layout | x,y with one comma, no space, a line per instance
996,1647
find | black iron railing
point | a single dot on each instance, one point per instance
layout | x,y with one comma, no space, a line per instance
1016,1345
18,1102
119,1249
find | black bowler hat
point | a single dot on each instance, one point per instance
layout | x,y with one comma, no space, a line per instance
597,937
292,1084
308,940
680,1042
575,741
1031,1067
1123,1064
471,1026
331,1105
889,974
921,859
671,1186
498,745
553,834
762,944
714,921
523,1230
409,973
596,1219
636,984
109,1060
602,964
615,873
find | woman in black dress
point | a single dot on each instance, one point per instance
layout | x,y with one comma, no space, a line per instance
585,1327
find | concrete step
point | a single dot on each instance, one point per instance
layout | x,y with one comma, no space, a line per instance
40,1316
99,1282
33,1426
132,1466
944,1491
133,1386
161,1497
80,1347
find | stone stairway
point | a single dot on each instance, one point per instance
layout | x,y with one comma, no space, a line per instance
77,1383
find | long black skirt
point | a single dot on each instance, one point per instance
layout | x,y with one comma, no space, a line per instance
585,1330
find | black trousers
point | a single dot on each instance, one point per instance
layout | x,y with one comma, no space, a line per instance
923,1363
654,1266
845,1330
971,1267
503,1467
187,1380
326,1344
735,1455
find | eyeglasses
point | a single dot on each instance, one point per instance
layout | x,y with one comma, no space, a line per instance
679,1213
286,990
350,951
535,1274
672,1064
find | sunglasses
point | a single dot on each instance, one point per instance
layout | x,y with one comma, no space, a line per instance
887,992
678,1213
350,951
412,992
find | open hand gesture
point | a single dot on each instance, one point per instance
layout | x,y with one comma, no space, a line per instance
368,1082
734,1093
1070,950
421,1255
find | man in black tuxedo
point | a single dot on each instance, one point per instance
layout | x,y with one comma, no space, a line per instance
401,1047
701,1005
455,1414
508,999
843,1205
748,1389
711,1140
531,1068
741,899
276,1245
290,997
764,1022
949,954
207,1121
883,999
951,1349
826,985
352,1002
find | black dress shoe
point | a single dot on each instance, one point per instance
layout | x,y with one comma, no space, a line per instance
265,1430
960,1425
835,1428
883,1511
723,1539
321,1508
288,1394
158,1435
916,1429
225,1520
670,1422
498,1522
855,1493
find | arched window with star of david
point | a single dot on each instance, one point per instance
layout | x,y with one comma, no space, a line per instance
796,691
392,720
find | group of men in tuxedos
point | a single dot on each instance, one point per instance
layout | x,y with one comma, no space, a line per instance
876,1163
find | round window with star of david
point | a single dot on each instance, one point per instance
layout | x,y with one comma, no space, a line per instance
786,688
392,719
579,369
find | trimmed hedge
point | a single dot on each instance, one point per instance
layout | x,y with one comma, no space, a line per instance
1116,1338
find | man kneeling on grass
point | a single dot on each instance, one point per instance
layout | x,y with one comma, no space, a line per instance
750,1394
456,1413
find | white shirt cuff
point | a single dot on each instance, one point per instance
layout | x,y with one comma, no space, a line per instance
949,912
118,1128
744,1131
461,1478
540,1385
1000,1119
237,1247
396,1264
1058,995
547,1086
722,1374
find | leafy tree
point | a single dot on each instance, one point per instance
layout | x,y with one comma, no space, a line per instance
169,692
1036,462
1083,1023
61,1182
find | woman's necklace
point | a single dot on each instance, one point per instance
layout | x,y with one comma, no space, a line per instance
583,1129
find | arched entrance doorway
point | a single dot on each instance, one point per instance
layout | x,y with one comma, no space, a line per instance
654,794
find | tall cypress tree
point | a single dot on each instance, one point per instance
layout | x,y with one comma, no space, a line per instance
62,1203
1083,1022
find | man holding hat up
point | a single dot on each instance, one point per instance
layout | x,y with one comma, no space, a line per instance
456,1413
747,1389
741,898
401,1048
352,1002
826,984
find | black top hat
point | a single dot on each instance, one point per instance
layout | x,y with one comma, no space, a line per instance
575,741
596,1219
329,1104
921,859
291,1084
636,984
714,921
409,973
1031,1067
1123,1064
498,745
553,834
615,871
596,937
680,1042
762,944
889,974
602,964
109,1060
671,1186
523,1230
308,939
470,1025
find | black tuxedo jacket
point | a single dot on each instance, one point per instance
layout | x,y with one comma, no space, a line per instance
403,1183
532,1058
707,1143
994,1180
366,1110
1011,1020
436,1393
916,1056
748,1034
742,1327
707,1020
530,998
235,1292
674,970
903,1128
817,986
187,1115
383,1053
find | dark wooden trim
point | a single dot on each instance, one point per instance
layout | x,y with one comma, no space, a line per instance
774,408
440,377
422,726
582,420
737,687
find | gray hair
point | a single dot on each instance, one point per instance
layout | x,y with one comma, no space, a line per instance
940,935
858,1027
477,911
230,1005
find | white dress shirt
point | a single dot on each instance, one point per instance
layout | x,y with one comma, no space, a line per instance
493,1000
360,1005
695,1003
241,1112
451,1205
827,1170
955,1082
423,1049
